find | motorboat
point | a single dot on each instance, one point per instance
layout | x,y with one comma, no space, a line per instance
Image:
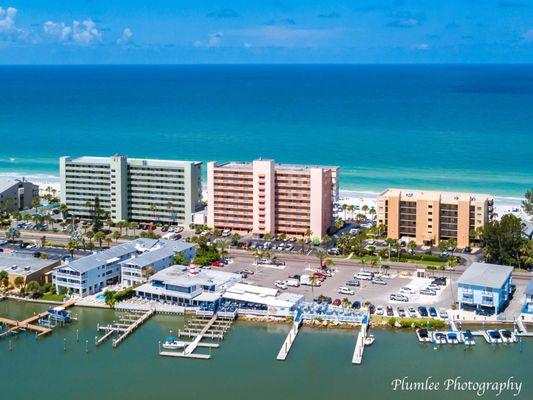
494,336
507,336
369,339
171,343
423,335
439,338
468,338
452,338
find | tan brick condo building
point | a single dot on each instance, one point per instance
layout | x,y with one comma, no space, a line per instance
431,216
264,197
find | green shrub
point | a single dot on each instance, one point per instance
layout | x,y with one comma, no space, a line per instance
392,322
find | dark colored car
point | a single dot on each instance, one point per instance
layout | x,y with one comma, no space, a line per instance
423,311
432,311
352,282
337,302
37,254
372,308
390,311
356,304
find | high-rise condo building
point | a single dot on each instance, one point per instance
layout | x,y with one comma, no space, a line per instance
132,189
431,216
264,197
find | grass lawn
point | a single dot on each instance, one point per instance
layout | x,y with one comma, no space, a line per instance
368,259
52,297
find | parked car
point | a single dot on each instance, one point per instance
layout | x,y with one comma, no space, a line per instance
428,292
423,311
37,254
412,312
401,312
443,313
432,312
407,290
280,285
334,251
247,271
390,311
379,310
345,290
378,281
353,282
292,282
356,304
371,308
398,297
337,302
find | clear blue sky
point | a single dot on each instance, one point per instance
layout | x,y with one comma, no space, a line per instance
264,31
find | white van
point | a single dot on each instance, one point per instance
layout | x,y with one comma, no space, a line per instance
364,276
292,282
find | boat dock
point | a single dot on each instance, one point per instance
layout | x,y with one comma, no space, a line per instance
360,342
125,326
201,328
291,337
31,323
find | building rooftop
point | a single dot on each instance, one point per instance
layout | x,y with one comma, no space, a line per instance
134,161
7,183
158,248
435,195
260,295
16,264
279,166
179,275
486,275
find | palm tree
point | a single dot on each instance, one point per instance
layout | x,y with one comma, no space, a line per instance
222,245
153,209
302,243
344,208
321,255
116,235
308,233
326,240
71,248
339,224
390,242
33,287
351,208
108,240
89,235
364,208
411,245
63,209
313,279
373,213
133,225
170,208
346,303
235,238
99,237
267,236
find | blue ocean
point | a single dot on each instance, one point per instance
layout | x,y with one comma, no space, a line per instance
436,127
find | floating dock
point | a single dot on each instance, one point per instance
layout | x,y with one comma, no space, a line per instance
360,342
291,337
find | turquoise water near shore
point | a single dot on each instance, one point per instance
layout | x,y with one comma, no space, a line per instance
318,367
446,127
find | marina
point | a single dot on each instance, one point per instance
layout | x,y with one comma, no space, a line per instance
124,326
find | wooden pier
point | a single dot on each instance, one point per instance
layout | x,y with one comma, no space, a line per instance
212,328
125,326
29,323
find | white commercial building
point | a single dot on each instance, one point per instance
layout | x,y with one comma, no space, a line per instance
187,286
132,189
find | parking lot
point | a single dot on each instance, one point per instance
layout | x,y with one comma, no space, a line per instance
53,253
367,291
